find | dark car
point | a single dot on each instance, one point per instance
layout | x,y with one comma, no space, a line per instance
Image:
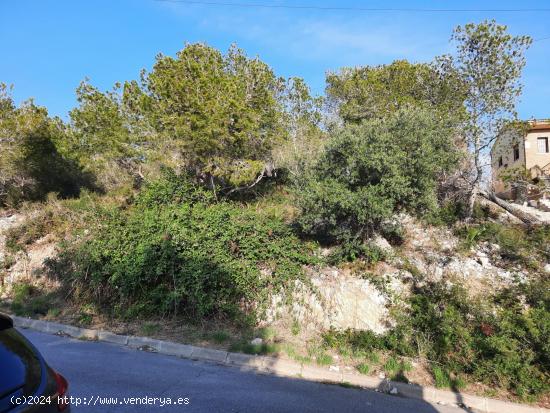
27,383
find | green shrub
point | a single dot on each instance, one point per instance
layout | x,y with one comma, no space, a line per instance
391,365
221,336
441,378
503,342
393,232
363,368
371,171
257,349
364,340
173,189
449,213
528,246
267,333
150,328
172,252
28,300
22,291
350,250
324,359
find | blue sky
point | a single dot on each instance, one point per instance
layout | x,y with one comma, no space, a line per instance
48,46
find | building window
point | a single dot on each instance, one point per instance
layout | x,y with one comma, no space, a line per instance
516,152
500,163
542,145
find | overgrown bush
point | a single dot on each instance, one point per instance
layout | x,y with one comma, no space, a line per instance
350,250
527,246
503,342
175,252
29,300
449,213
373,170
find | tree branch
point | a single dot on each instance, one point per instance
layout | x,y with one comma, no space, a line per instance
252,185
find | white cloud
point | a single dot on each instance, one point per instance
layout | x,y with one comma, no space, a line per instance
321,39
365,39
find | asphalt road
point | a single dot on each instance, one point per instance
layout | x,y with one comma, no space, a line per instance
105,374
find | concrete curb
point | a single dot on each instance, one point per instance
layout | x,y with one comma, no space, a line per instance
281,367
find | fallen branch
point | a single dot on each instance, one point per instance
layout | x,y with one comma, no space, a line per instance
521,215
247,187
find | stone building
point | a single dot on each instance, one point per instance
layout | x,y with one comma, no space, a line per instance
527,151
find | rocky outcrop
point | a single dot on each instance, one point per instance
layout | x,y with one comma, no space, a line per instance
434,253
7,222
29,264
334,299
25,265
343,299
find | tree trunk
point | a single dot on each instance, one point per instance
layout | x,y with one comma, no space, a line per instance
524,217
472,199
213,186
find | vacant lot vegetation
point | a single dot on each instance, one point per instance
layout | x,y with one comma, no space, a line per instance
175,251
502,342
517,244
197,194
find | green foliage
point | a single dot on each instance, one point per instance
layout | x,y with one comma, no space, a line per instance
150,328
221,336
502,342
28,300
441,378
324,359
170,247
256,349
391,365
222,112
393,232
363,368
100,125
350,250
449,213
472,236
267,333
303,119
53,313
22,291
31,164
173,253
224,117
528,246
106,138
293,354
371,171
173,189
489,63
365,93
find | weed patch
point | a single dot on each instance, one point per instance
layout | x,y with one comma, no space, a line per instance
503,343
174,251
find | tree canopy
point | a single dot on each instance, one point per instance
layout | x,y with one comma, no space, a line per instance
489,62
372,92
30,164
222,112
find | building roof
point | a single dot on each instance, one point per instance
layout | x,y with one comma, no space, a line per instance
539,124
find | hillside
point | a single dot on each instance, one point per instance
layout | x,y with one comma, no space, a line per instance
215,202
